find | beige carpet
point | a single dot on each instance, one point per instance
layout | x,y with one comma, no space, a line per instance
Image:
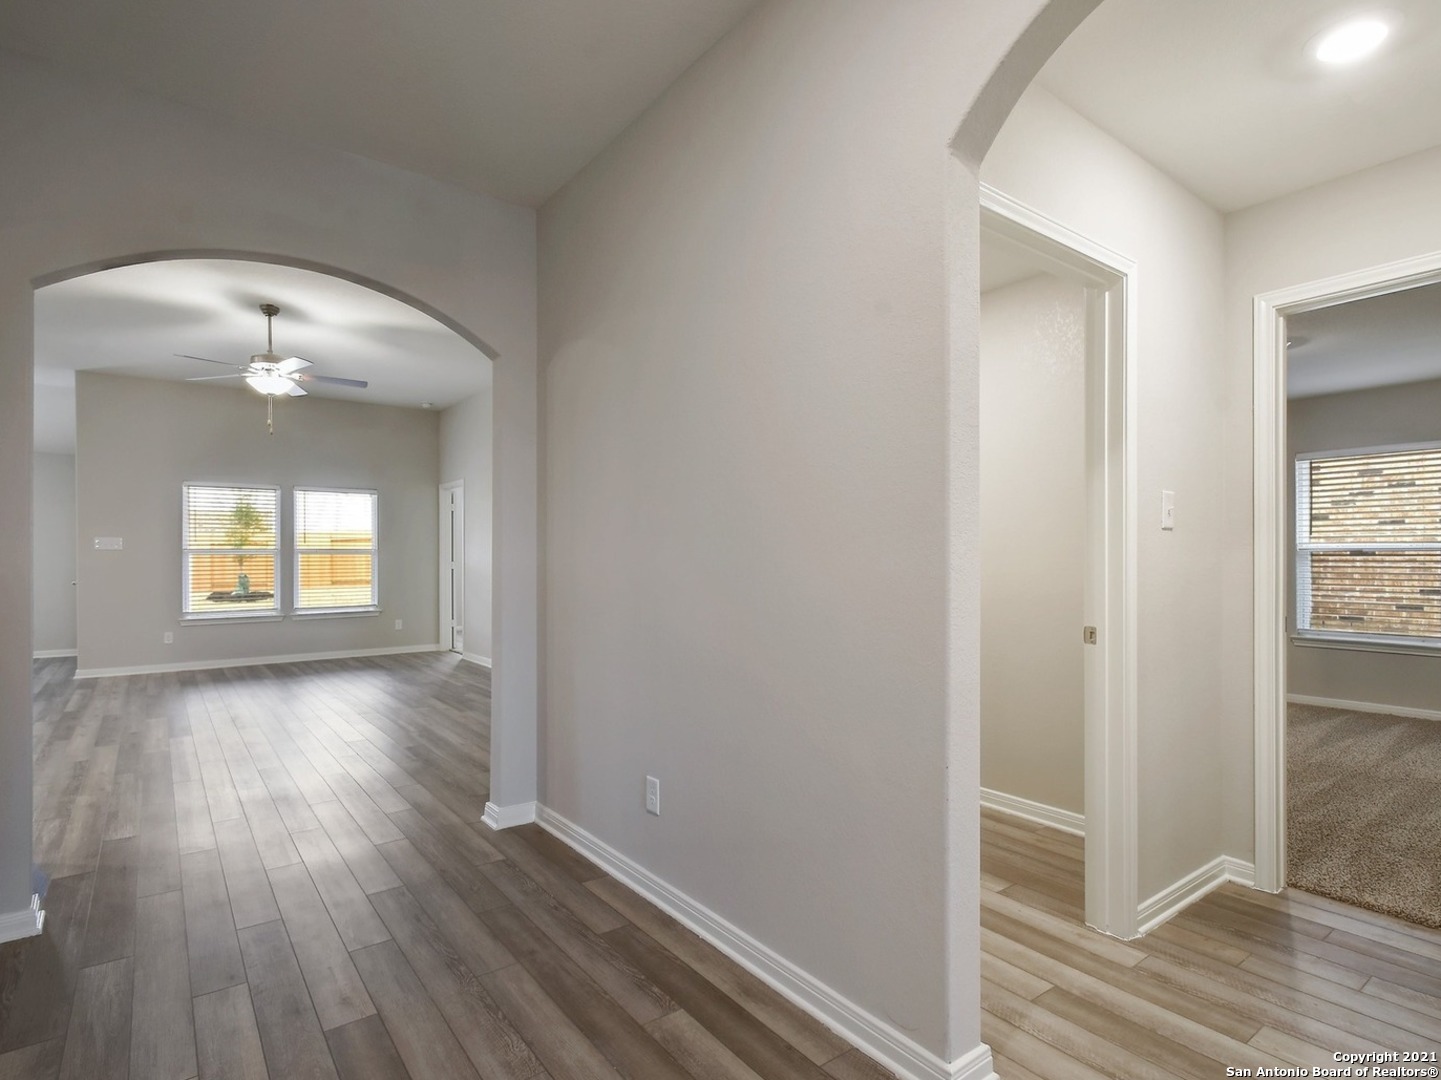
1364,810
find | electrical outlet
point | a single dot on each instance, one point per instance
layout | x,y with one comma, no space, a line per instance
169,637
652,795
400,624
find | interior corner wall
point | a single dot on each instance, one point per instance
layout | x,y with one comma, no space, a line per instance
1033,541
465,455
140,440
53,578
1383,416
96,175
760,507
1053,160
1367,219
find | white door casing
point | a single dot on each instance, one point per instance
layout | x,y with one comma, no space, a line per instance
1270,547
452,565
1111,774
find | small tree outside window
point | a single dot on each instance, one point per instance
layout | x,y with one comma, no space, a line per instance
231,551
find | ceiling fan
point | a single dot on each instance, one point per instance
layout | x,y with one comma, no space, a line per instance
271,374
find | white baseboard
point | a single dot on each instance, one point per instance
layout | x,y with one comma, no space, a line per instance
879,1038
1241,873
507,817
1180,895
250,661
483,661
1054,816
51,654
28,922
1365,707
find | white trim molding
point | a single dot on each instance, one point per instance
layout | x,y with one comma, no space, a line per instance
1366,707
250,661
879,1038
507,817
1065,820
1112,769
52,654
1270,550
15,925
475,658
1180,895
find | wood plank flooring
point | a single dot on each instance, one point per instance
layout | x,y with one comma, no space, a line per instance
1241,978
280,872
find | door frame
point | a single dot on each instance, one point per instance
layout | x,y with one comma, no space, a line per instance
446,595
1111,769
1270,547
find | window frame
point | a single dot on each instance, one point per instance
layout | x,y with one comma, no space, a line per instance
271,613
1300,522
296,551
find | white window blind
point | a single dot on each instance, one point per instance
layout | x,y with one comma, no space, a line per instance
1368,545
231,550
335,550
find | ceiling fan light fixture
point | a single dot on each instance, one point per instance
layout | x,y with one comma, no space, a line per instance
269,384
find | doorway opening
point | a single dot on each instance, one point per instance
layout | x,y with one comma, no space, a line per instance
1103,690
1307,603
451,530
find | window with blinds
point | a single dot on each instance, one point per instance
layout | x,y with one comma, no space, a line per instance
335,550
231,550
1368,545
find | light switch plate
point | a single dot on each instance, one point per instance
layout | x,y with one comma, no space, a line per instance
1168,510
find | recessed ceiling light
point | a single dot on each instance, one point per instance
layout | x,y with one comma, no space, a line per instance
1351,41
426,405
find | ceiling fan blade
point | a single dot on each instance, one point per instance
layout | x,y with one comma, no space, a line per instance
296,390
210,378
294,364
207,359
333,380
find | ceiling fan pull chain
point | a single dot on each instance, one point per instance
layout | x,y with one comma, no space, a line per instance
270,414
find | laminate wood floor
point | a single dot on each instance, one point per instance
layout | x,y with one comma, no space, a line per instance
280,872
1241,978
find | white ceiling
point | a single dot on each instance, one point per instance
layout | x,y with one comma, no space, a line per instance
506,97
1223,96
134,319
1382,341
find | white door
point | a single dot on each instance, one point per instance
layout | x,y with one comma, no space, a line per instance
452,566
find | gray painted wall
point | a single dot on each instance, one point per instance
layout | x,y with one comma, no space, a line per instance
1055,161
139,440
1362,418
761,482
54,558
1033,541
465,454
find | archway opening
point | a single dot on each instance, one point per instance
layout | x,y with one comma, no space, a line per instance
152,362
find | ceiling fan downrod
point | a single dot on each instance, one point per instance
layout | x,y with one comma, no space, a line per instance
269,311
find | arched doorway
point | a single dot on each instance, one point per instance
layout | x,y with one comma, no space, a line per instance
464,258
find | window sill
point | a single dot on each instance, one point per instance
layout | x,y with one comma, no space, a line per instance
232,617
1400,646
337,613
